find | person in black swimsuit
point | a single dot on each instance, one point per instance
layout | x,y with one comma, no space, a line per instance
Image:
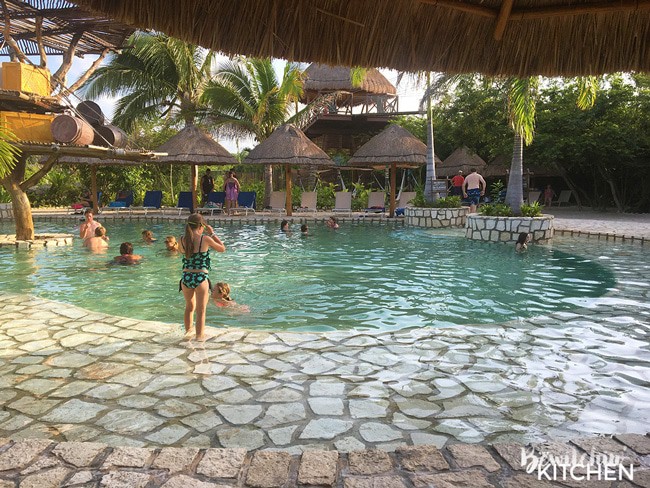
194,283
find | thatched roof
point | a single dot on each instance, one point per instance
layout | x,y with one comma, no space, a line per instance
62,22
392,145
494,37
288,145
460,160
193,146
321,78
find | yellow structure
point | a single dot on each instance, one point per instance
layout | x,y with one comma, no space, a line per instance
26,78
28,127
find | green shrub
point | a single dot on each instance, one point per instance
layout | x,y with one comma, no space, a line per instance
447,202
531,210
495,210
325,195
496,190
360,200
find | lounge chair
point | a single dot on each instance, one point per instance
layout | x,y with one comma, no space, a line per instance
278,202
376,202
123,201
184,203
216,199
343,202
152,201
565,196
533,196
245,203
308,202
404,201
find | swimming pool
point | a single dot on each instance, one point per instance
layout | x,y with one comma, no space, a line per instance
358,277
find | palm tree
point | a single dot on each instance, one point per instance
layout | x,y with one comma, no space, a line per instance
246,98
158,78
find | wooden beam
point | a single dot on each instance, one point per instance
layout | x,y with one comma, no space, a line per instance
39,41
502,19
568,10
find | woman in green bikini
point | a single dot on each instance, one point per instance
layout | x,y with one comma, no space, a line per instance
195,283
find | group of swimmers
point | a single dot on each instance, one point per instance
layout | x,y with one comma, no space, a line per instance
332,223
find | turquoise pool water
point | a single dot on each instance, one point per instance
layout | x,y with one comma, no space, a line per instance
359,276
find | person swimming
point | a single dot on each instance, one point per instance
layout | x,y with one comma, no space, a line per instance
522,242
171,244
147,236
126,255
221,298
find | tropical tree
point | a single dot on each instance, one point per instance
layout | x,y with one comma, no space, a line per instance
245,98
158,78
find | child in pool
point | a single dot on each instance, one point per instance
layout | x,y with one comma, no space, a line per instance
171,244
522,242
332,223
126,255
221,298
304,230
98,242
147,236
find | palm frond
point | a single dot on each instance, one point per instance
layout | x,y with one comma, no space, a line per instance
8,152
522,98
588,87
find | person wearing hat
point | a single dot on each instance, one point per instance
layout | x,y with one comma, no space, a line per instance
457,184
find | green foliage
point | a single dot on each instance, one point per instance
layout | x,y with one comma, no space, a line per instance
447,202
325,195
8,151
296,193
495,210
360,200
531,210
258,188
419,200
59,187
495,190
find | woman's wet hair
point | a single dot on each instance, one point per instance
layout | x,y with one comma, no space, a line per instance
126,248
522,238
100,231
224,290
194,221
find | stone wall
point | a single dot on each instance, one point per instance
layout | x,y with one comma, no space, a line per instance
435,217
40,240
507,229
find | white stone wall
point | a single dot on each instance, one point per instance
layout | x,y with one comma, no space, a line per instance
40,240
507,229
435,217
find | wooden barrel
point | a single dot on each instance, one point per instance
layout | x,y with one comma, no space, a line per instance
72,130
91,112
109,135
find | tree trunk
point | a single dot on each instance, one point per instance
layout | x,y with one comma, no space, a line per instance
268,184
515,191
22,209
431,156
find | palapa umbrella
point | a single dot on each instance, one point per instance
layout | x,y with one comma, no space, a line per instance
288,145
394,146
460,160
193,146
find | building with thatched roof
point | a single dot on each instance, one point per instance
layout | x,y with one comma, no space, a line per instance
493,37
462,159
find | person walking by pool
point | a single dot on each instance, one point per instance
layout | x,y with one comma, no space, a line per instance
194,283
231,187
207,185
147,236
473,189
548,195
126,255
522,242
97,243
457,184
88,227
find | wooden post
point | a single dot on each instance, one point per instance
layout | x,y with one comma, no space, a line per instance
393,182
93,188
287,173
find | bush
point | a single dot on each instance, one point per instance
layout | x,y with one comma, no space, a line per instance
447,202
325,195
360,200
531,210
495,210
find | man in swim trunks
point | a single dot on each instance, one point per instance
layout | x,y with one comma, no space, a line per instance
473,189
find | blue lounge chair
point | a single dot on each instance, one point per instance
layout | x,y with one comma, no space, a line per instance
215,203
246,202
184,203
123,201
152,201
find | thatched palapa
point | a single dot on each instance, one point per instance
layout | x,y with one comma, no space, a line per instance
493,37
288,145
395,147
321,78
462,159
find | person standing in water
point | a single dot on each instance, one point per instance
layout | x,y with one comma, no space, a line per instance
194,282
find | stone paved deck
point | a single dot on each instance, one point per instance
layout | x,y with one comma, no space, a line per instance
46,464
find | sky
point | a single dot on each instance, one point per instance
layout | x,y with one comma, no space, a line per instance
409,93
